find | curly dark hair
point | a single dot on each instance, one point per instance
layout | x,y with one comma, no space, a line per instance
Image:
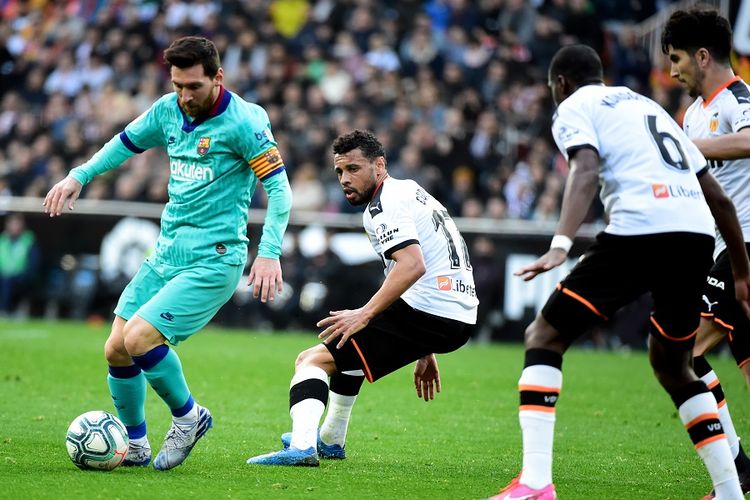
363,140
696,29
188,51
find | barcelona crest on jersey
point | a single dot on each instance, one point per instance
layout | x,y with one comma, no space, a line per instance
203,144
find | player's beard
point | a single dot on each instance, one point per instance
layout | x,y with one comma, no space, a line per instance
198,109
362,198
696,88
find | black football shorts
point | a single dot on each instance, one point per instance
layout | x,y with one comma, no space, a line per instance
396,337
616,270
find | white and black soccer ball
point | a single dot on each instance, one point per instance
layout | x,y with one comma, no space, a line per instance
97,440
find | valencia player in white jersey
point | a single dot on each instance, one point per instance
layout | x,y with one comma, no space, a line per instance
699,44
426,305
659,200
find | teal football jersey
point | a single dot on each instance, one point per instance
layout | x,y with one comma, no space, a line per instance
215,162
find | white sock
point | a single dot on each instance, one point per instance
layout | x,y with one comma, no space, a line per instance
187,419
714,450
336,423
306,413
538,425
712,381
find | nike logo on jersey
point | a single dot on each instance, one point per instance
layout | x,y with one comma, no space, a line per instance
167,315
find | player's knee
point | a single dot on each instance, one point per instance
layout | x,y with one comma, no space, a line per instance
540,335
114,351
306,357
671,368
134,340
315,356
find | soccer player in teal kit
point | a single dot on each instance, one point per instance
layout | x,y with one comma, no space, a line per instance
219,147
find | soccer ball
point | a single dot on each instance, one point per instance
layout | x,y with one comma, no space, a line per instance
97,440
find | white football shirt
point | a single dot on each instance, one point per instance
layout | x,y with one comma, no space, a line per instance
402,213
648,166
726,111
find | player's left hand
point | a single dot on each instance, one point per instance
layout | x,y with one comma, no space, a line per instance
550,260
265,278
427,377
342,324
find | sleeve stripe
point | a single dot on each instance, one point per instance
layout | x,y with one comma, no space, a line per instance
271,174
395,248
129,144
267,161
267,169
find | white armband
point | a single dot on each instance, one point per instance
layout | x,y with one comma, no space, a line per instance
562,242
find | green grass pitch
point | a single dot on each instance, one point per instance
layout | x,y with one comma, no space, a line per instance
618,435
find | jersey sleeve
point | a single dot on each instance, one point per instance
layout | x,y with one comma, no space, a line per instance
259,147
394,225
573,129
145,132
740,116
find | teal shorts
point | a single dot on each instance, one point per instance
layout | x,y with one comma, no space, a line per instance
178,301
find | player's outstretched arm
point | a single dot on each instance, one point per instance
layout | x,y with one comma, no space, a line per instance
64,192
409,268
580,190
427,377
727,146
725,216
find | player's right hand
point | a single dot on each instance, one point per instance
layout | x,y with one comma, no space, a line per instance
66,191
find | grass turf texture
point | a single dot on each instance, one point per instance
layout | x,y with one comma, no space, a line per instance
618,435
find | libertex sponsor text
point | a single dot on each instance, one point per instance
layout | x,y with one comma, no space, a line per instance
675,191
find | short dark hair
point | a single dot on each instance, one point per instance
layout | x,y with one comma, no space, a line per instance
696,29
363,140
188,51
578,63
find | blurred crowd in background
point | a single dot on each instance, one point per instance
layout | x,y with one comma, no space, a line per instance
455,89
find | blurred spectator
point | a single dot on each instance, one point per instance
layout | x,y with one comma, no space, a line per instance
380,56
632,62
65,79
489,283
516,23
308,191
584,25
19,262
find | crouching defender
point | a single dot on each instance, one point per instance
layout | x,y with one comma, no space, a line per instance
426,305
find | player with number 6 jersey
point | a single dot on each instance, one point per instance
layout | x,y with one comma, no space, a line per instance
659,198
426,305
